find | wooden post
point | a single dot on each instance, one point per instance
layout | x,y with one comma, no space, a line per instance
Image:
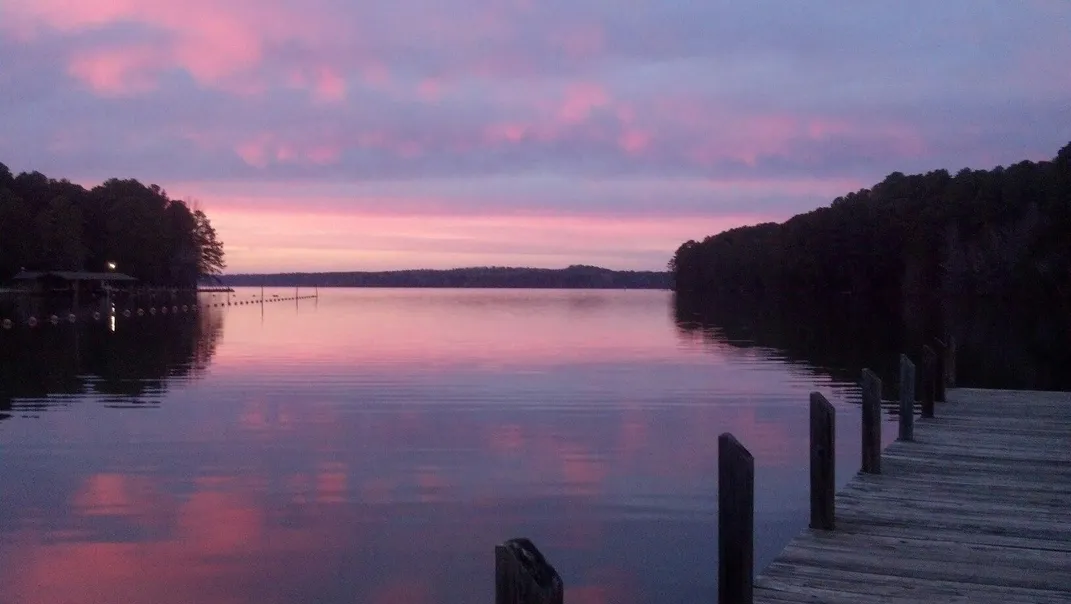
929,363
907,398
736,522
823,461
950,362
523,575
871,422
939,371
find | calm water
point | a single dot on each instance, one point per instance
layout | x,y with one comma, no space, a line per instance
373,446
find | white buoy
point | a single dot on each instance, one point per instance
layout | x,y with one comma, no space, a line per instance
71,318
126,313
185,308
7,323
54,320
152,311
163,310
174,309
96,316
32,322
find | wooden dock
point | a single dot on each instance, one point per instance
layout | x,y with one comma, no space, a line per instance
977,508
972,503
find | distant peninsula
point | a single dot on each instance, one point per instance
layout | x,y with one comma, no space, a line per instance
573,277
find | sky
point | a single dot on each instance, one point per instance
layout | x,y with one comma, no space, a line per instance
359,135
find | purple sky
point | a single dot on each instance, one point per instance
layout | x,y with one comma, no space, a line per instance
331,134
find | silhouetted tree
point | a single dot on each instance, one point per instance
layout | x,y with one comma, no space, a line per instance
927,252
50,224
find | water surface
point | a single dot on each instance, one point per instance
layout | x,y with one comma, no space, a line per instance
372,446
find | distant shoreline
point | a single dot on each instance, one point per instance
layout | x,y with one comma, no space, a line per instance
573,277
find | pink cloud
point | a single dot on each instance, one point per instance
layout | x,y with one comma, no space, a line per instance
117,71
430,89
330,86
580,100
210,40
634,141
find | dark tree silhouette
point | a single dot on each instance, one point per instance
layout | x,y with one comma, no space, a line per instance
48,224
984,254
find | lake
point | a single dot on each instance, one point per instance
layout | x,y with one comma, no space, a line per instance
373,446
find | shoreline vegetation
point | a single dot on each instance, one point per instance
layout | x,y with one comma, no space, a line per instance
984,255
119,225
573,277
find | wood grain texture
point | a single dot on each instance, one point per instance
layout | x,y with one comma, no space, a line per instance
977,508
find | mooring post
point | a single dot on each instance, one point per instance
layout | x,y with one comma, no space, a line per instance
939,370
736,521
523,575
929,364
823,461
871,422
907,398
950,362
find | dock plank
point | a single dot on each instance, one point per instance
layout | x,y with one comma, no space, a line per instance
976,509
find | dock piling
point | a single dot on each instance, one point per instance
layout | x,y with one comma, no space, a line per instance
907,398
823,461
736,522
523,575
871,422
929,365
940,350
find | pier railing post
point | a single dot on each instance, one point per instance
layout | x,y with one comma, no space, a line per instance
523,575
823,459
736,522
929,364
907,398
950,362
871,422
939,370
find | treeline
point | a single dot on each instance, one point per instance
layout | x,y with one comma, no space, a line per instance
48,224
969,254
908,240
579,277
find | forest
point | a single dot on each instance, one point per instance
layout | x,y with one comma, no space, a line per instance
577,276
48,224
984,255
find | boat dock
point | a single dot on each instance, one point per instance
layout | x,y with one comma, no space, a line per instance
977,508
971,504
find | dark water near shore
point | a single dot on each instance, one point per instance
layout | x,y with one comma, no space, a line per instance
373,446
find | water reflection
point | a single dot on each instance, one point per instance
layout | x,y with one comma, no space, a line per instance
373,447
999,345
51,365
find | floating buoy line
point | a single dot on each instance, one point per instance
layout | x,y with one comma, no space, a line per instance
8,324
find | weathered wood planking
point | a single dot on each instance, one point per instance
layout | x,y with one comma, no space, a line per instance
976,509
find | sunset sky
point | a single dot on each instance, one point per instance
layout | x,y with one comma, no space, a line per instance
359,135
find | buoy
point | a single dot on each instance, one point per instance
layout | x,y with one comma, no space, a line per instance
174,309
96,316
7,323
32,322
185,308
126,313
141,312
152,311
71,318
54,320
